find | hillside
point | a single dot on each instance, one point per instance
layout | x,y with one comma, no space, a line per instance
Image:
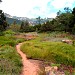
33,21
11,20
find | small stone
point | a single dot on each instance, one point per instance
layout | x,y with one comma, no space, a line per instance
48,68
55,68
51,73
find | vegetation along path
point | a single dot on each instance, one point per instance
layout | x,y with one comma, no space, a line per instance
28,67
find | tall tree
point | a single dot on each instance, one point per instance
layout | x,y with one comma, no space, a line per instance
67,10
73,12
0,0
24,26
3,23
58,13
39,20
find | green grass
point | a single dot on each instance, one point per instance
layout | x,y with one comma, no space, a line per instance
10,61
10,40
57,52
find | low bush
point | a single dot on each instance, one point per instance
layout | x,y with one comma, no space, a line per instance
10,40
9,33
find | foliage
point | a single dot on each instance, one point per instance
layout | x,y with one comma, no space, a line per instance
10,40
58,52
10,61
0,0
24,26
39,20
11,20
1,33
67,10
64,21
5,40
48,26
3,23
14,27
9,33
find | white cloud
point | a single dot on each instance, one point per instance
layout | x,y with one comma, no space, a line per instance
58,4
53,15
34,8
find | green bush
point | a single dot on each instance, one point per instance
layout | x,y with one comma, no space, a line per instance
1,33
20,40
9,33
7,41
10,40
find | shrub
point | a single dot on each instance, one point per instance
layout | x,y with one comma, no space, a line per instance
8,32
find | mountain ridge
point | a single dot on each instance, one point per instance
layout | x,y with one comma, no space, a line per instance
33,21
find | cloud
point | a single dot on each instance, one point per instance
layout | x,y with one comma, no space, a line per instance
58,4
35,8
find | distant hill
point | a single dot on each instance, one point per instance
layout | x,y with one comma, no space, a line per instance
11,20
32,21
7,15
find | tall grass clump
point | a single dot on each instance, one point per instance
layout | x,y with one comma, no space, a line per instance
9,33
50,51
10,61
10,40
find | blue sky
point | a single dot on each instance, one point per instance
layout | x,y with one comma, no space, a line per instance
35,8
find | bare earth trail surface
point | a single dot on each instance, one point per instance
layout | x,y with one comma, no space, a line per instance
28,67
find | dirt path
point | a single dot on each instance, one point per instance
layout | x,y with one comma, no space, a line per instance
33,67
28,67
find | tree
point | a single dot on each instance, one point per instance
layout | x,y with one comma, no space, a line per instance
0,0
14,27
48,26
3,23
73,12
24,26
67,10
58,13
39,20
65,21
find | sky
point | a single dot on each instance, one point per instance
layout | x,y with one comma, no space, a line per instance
35,8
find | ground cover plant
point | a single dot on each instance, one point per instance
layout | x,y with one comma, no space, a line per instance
53,51
56,52
9,39
10,61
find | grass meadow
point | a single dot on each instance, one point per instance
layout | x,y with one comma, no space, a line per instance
49,48
10,60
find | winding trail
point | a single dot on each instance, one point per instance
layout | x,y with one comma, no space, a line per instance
28,67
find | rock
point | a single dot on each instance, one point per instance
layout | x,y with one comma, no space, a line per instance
67,41
55,68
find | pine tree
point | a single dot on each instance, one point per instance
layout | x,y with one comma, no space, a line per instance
3,23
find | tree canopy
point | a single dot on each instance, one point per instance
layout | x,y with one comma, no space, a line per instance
0,0
3,23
